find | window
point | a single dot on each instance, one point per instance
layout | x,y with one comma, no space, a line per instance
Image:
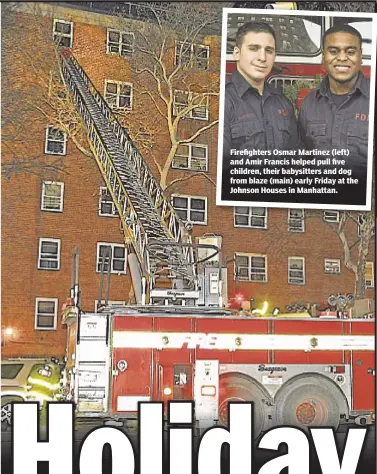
120,42
296,222
296,270
254,217
49,254
250,267
118,94
190,54
196,103
191,208
56,141
369,275
191,156
106,205
52,196
331,216
63,33
46,313
332,265
10,371
117,256
97,305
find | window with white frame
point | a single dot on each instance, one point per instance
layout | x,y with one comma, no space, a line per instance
113,253
97,304
49,254
56,141
120,42
296,270
250,267
192,55
63,33
106,205
369,275
253,217
191,208
46,310
52,196
191,156
198,104
296,220
118,94
332,265
331,216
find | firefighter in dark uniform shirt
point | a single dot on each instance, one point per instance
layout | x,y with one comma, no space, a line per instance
256,115
336,115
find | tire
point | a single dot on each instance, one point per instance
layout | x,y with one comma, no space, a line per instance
307,402
236,388
6,413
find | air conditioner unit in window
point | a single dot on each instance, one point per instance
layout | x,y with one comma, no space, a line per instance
332,270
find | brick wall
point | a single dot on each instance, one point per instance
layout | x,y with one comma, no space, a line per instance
80,226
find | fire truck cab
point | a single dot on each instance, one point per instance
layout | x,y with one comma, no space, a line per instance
297,371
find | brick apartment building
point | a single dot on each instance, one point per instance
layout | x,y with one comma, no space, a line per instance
276,254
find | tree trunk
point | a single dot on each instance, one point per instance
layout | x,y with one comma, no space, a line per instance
167,165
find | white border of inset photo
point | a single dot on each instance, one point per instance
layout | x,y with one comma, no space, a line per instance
296,60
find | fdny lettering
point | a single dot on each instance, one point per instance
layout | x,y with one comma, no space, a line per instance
247,116
362,117
283,112
207,341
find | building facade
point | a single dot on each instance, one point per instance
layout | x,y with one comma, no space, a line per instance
49,210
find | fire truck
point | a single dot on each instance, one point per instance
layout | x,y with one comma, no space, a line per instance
178,342
298,371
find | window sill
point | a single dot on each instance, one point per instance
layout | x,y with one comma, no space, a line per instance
108,215
59,211
249,227
48,269
112,273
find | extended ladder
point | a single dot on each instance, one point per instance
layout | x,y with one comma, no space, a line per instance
159,238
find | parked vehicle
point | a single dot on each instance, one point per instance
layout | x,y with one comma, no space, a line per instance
27,380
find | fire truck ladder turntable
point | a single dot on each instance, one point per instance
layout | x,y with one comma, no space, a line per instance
159,238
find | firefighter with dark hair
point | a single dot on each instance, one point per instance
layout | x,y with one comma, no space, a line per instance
335,116
256,115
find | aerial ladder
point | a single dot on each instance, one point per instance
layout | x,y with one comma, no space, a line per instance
166,272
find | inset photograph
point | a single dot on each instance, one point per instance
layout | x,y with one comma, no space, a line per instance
296,109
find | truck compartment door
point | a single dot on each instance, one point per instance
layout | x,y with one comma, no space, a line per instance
92,364
206,392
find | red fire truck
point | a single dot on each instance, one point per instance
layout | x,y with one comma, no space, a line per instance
297,371
178,343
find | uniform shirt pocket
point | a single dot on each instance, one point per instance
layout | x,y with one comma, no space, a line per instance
246,129
357,142
282,139
316,135
249,134
316,129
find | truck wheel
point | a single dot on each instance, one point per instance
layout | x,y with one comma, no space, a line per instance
239,388
6,411
307,402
